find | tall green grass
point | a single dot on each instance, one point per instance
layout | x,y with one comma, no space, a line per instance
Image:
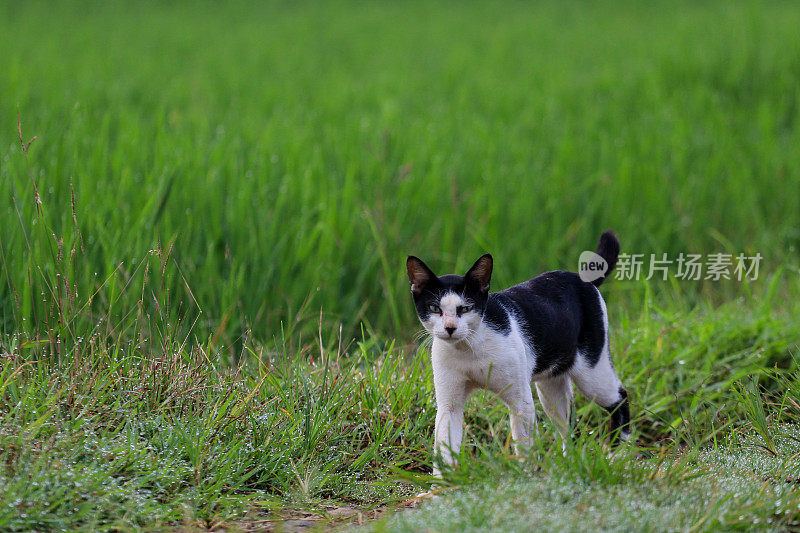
294,154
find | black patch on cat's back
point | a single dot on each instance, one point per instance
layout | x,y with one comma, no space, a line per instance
592,337
496,313
559,314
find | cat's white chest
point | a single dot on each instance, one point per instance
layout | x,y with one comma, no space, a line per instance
491,359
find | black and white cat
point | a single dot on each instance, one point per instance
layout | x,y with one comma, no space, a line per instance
552,330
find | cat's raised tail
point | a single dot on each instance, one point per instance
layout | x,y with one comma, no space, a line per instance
608,249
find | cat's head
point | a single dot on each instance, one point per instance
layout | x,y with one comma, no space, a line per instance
450,307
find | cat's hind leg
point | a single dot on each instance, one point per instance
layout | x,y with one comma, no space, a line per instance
599,383
555,394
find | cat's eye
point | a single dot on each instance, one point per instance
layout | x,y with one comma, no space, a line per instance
434,308
461,309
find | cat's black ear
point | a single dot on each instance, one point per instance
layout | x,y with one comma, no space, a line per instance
481,272
418,274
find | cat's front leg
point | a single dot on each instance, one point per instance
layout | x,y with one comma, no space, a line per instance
523,426
523,416
451,395
448,434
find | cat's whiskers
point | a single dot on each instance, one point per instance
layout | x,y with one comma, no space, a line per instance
472,337
421,334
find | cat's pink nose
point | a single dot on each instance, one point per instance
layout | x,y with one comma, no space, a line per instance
450,331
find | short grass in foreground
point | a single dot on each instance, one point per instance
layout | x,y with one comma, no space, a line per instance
123,439
294,153
738,485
